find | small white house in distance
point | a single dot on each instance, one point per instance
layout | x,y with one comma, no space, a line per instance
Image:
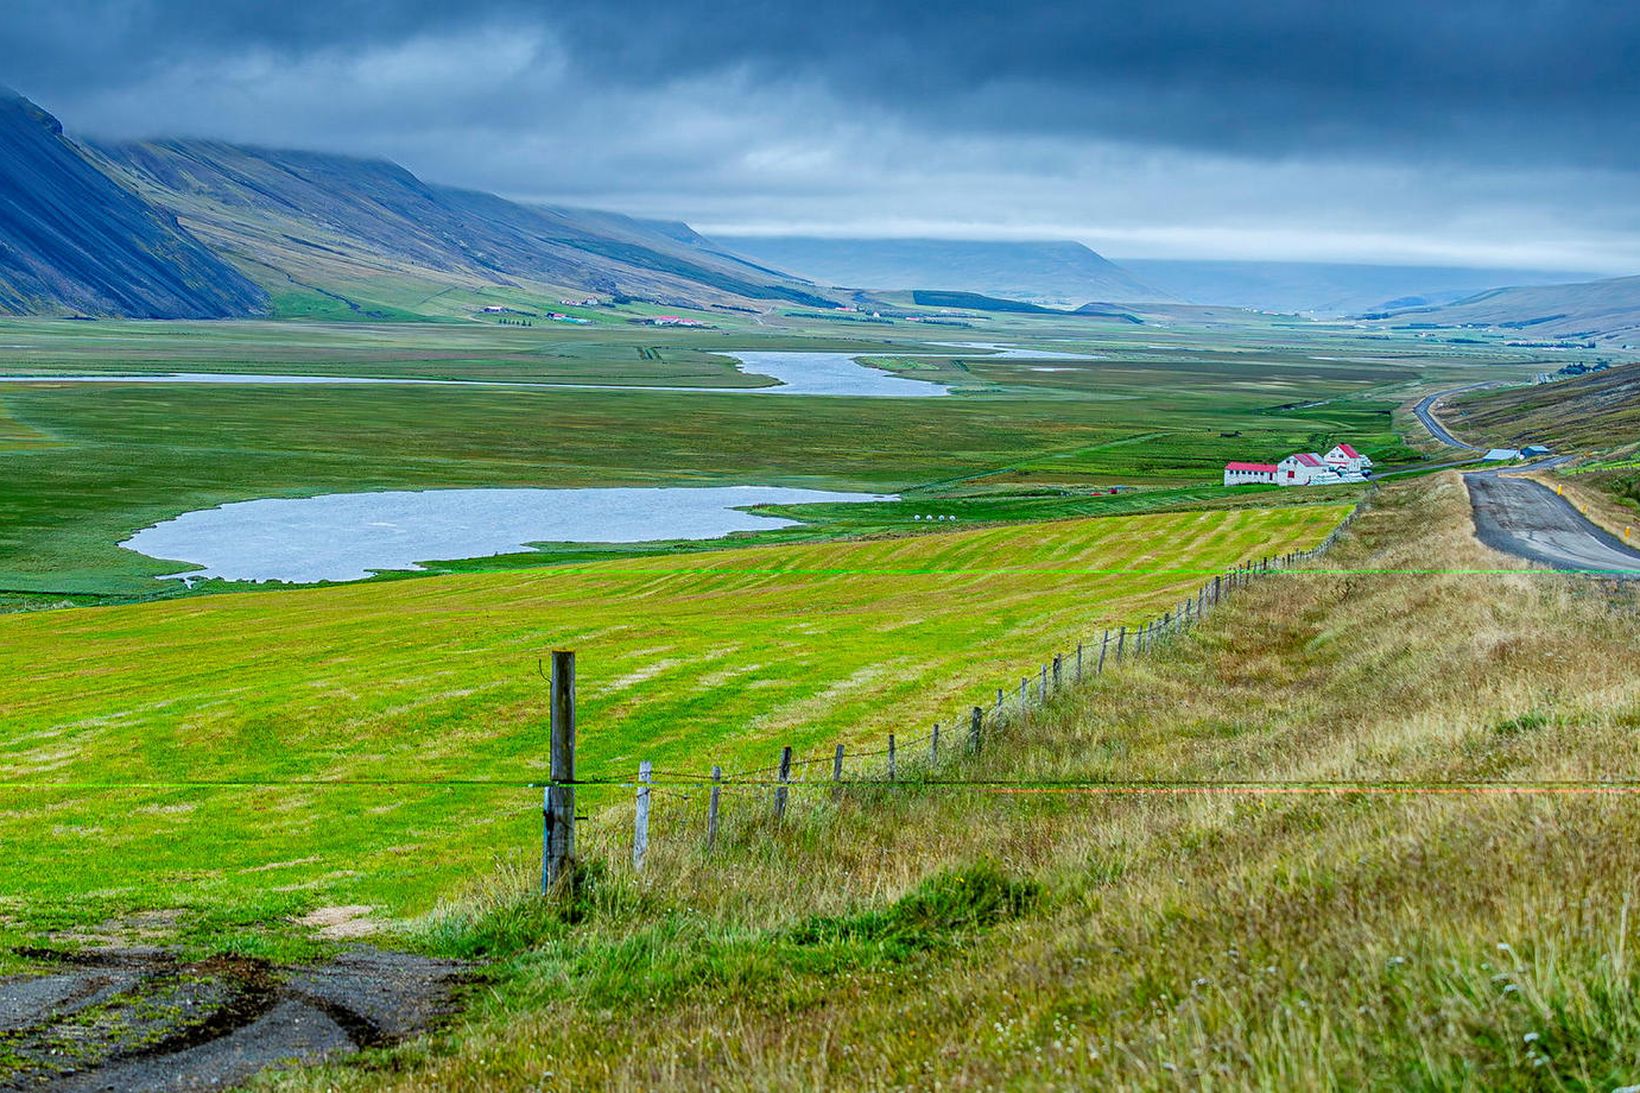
1346,460
1246,474
1500,455
1304,469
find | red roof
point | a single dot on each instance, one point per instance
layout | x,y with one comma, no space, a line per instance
1349,451
1267,468
1309,459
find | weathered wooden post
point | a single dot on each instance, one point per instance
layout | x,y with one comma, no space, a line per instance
1121,643
837,764
934,745
558,804
1104,644
999,703
712,807
1025,700
891,767
1218,582
1058,664
1079,662
785,778
1042,685
976,718
640,819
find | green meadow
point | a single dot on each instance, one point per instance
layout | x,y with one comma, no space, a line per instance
246,757
85,466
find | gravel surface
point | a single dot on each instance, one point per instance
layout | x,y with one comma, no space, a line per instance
1529,520
142,1020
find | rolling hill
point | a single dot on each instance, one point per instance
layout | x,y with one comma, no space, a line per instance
322,231
1054,273
1593,411
75,241
1598,311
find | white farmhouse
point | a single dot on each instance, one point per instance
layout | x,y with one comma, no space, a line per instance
1304,469
1346,460
1247,474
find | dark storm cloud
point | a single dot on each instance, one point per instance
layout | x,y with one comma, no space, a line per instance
1260,77
1335,128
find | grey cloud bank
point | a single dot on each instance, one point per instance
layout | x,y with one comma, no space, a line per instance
1391,131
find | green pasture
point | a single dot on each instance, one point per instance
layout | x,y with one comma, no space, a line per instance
382,706
83,467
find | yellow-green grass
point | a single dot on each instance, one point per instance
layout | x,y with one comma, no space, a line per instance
960,938
711,658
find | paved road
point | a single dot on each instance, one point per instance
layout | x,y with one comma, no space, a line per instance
1529,520
1425,411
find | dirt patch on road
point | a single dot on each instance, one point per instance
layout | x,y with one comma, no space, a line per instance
140,1019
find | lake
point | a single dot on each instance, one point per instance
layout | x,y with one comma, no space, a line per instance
349,536
835,374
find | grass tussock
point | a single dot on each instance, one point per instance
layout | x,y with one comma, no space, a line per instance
973,936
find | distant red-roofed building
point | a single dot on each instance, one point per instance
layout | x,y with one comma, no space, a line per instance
1346,460
1245,474
1304,469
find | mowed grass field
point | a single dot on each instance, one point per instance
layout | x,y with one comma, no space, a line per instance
394,695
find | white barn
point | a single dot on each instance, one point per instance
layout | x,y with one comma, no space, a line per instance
1346,460
1247,474
1304,469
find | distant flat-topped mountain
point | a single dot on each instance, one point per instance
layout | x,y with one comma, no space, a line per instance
75,241
1053,273
1605,311
1328,288
370,234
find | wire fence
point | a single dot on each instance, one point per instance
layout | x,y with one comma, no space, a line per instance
917,761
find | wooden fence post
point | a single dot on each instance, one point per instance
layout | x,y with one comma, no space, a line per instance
640,819
712,808
999,703
785,777
1079,662
891,768
1042,685
837,764
1104,643
1024,700
1121,643
976,718
558,804
1058,665
934,745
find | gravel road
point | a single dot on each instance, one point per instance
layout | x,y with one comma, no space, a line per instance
1529,520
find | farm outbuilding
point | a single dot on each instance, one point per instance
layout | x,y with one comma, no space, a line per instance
1346,460
1304,469
1246,474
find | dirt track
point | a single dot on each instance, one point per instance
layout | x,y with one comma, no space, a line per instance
1529,520
141,1020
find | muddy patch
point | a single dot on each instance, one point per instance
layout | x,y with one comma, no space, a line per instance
140,1019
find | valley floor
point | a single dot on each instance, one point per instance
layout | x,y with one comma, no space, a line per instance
1372,826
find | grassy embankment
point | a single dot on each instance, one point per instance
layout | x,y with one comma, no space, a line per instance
431,687
81,468
939,935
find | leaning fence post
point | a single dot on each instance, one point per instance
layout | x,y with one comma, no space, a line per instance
785,777
1104,643
558,811
712,807
1121,643
975,718
640,819
891,767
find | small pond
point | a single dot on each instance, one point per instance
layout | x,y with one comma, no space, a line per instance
349,536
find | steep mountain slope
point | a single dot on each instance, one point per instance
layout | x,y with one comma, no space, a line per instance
73,240
1056,273
369,230
1594,411
1602,311
1328,288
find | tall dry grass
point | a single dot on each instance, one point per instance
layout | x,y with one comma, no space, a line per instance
1247,940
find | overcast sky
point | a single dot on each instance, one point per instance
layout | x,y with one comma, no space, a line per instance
1500,132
